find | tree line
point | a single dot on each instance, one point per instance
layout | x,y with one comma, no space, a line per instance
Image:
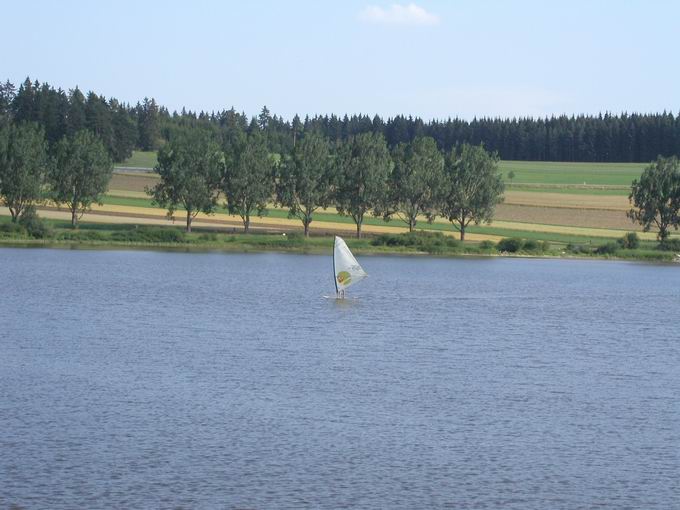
360,177
146,125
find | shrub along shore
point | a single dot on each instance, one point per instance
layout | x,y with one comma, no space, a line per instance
57,234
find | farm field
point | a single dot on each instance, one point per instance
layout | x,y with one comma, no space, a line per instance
550,217
524,211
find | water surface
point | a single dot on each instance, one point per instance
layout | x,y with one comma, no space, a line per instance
140,379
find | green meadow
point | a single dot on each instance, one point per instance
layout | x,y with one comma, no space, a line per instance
558,173
141,159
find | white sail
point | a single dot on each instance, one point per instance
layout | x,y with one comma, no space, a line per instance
346,269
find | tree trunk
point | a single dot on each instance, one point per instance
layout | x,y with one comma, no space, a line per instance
14,213
189,220
358,229
74,217
306,224
246,224
462,231
411,224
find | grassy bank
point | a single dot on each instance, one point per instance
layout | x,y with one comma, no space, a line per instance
96,235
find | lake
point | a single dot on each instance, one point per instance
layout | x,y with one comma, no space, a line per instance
146,379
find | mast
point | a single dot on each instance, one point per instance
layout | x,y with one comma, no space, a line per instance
335,277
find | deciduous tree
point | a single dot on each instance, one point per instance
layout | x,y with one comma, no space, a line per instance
23,165
248,182
656,197
81,173
474,187
305,179
416,180
190,166
364,165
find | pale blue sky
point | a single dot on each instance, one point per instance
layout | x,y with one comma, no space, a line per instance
425,58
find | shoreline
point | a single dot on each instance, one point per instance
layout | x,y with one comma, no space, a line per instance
244,247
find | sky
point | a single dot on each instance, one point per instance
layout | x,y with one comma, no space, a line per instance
432,59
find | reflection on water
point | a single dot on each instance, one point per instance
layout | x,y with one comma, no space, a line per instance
163,380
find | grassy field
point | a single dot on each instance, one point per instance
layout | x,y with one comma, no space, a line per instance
141,159
561,174
572,189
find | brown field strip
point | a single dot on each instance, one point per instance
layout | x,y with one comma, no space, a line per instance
567,200
591,218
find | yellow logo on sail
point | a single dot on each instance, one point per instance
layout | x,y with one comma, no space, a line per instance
344,278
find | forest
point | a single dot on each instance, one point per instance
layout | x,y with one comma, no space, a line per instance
123,127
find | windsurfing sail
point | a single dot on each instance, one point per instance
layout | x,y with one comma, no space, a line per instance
346,269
